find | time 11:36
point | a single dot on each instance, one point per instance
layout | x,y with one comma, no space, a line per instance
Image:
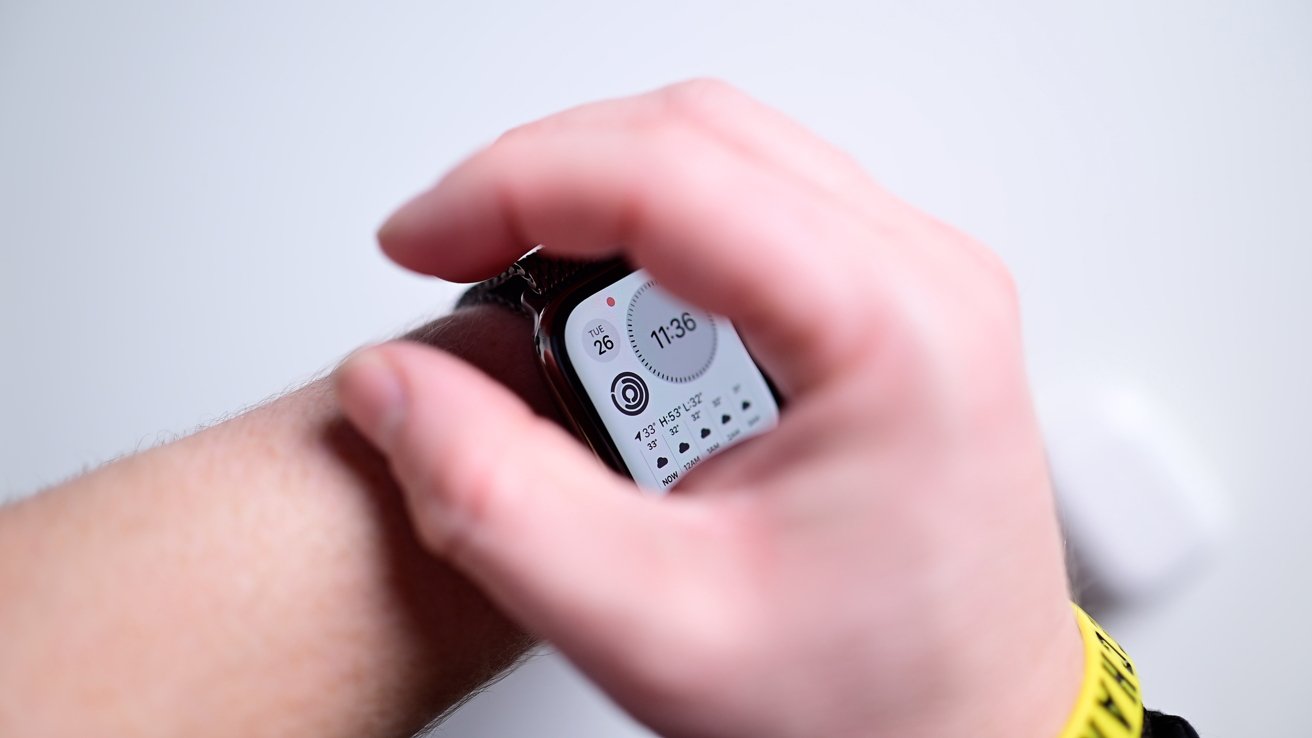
677,328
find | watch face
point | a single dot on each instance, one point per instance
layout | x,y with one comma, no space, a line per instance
669,383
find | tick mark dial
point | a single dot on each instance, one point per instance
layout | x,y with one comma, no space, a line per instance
672,339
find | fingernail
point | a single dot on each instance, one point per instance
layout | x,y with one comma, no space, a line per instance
372,395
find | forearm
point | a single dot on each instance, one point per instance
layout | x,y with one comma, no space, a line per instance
258,578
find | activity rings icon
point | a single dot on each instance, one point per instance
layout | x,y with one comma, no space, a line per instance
629,393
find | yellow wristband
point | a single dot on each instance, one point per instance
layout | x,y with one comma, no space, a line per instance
1110,704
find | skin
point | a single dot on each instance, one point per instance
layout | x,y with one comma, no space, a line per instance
886,563
259,578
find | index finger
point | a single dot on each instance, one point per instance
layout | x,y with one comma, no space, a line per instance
718,228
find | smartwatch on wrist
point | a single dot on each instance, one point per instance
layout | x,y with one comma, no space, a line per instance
652,384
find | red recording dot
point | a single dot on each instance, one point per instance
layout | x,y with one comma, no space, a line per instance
610,301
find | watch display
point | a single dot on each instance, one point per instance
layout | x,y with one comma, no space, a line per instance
670,383
672,340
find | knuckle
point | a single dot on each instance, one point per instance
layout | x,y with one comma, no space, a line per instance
694,94
516,136
1000,279
476,491
529,134
992,281
472,488
698,100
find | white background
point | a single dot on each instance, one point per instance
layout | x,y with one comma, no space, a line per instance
188,192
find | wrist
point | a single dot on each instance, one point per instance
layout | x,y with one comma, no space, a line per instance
500,344
1081,683
1058,681
1027,677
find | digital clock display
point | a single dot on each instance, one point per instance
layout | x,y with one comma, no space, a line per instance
674,341
672,384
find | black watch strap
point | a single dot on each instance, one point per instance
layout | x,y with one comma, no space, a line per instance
1157,725
536,274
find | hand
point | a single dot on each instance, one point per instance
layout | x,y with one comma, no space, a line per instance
886,562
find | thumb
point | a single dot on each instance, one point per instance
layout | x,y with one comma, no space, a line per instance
508,497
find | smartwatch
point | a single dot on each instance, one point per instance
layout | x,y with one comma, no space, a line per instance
652,384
